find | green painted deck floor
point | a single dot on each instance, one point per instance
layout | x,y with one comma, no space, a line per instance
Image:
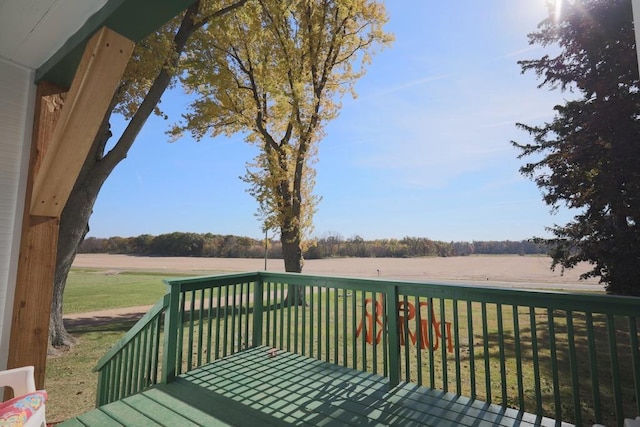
252,389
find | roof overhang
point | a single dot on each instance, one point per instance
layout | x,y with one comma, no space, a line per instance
49,36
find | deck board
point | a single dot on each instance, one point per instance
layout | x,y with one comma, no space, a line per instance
250,388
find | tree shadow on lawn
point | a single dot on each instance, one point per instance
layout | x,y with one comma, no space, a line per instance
118,323
602,363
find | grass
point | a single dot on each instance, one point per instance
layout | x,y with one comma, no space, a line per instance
93,290
70,381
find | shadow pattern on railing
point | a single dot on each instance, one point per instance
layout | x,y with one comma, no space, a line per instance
571,357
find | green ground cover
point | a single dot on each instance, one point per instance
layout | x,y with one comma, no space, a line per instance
93,290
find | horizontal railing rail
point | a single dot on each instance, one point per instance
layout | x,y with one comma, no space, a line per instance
573,357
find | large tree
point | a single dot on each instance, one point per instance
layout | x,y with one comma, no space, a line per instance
150,72
275,70
587,157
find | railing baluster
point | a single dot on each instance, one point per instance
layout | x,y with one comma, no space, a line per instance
443,338
209,324
155,363
573,365
503,366
200,327
635,358
124,390
431,333
291,299
345,317
296,316
327,323
269,309
335,326
136,364
180,319
554,363
615,370
143,358
247,315
419,339
312,311
283,304
192,309
218,319
536,358
385,336
516,337
240,308
234,294
472,357
593,364
485,339
405,337
304,322
225,325
354,328
363,303
374,334
456,343
119,385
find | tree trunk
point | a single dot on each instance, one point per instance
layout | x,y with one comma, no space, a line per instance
293,262
74,225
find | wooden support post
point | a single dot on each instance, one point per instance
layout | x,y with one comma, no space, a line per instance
37,258
64,129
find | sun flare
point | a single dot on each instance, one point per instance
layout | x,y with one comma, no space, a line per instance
557,10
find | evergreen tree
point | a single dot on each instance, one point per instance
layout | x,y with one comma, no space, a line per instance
587,157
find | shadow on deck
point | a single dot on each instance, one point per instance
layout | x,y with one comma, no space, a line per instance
252,388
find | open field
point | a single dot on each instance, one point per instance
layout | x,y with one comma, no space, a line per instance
490,270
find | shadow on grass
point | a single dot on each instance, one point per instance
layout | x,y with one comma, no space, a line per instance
592,363
120,323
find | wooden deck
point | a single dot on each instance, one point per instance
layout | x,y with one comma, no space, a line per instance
251,388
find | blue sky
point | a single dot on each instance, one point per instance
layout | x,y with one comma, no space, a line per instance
423,151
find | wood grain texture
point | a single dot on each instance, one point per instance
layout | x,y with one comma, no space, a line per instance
96,80
37,256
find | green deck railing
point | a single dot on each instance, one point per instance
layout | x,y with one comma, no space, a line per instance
571,357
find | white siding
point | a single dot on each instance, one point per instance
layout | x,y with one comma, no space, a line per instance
16,118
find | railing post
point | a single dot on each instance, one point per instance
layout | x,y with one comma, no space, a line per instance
258,308
101,387
172,322
391,301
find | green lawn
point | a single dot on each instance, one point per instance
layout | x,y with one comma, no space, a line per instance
93,290
70,380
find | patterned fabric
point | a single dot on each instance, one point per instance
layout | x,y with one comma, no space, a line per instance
16,412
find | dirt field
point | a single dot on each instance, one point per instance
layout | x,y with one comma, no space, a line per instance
502,271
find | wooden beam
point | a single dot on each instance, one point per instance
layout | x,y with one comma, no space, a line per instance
98,75
65,126
37,257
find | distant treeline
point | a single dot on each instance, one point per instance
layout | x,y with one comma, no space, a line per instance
333,246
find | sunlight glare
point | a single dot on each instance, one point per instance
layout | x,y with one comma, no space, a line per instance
558,10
